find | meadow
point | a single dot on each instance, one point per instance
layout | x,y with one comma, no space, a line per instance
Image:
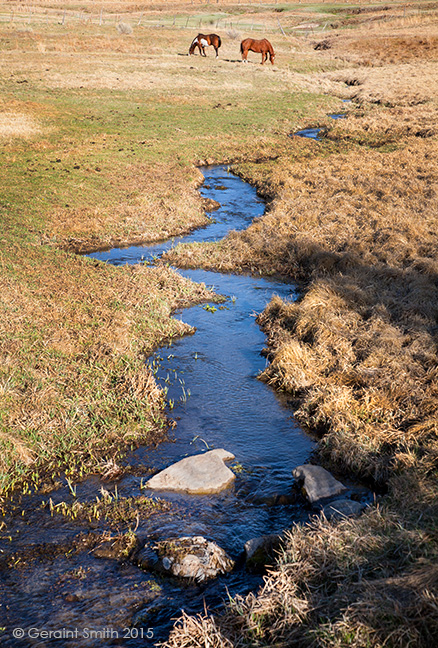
103,122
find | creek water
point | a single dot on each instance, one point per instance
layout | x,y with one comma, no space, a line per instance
314,133
211,378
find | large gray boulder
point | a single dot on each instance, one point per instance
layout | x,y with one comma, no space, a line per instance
188,557
199,475
318,483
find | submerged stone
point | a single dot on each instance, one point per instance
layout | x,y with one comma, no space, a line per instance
318,483
260,551
117,548
342,508
200,474
188,557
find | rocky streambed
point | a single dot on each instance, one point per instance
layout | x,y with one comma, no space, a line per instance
112,563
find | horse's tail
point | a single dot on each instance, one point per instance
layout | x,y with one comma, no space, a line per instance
219,42
241,47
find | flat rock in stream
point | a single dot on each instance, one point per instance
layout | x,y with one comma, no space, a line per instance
318,483
198,475
188,557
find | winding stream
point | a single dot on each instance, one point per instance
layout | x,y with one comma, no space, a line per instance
314,133
211,378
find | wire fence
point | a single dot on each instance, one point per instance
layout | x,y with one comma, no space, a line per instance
37,16
127,23
138,19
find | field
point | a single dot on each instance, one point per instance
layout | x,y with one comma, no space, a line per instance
103,122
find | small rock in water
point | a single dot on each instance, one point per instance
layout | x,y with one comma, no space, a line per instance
261,551
319,484
200,474
196,558
342,508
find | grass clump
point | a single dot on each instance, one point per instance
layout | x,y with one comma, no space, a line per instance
111,508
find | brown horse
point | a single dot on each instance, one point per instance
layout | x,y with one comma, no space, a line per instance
263,46
202,41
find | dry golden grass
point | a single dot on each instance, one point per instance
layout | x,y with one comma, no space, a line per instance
157,202
14,124
376,127
407,84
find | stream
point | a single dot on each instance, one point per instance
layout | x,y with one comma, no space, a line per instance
58,596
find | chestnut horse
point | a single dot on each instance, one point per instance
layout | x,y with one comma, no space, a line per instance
263,46
202,41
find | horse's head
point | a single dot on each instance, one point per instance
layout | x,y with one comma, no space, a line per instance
272,56
195,43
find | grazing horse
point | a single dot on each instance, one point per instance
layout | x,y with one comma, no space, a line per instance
263,46
202,41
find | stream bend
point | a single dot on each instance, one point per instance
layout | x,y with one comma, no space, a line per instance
219,403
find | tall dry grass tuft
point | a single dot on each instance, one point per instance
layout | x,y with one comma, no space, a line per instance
124,28
197,632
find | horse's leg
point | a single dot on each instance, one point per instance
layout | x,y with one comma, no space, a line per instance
244,56
216,50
